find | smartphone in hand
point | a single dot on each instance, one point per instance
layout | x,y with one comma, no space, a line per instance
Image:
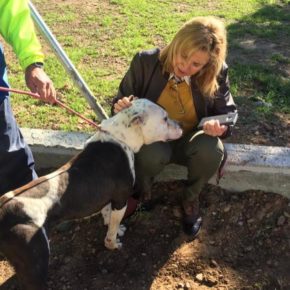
225,119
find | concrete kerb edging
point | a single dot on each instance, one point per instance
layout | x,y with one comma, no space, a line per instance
265,168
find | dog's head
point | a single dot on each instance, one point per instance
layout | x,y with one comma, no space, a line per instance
142,123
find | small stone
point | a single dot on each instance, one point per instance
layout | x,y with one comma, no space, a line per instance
281,220
199,277
177,212
211,281
269,263
213,263
249,249
67,260
227,208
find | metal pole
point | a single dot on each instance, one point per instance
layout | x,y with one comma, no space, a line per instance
59,52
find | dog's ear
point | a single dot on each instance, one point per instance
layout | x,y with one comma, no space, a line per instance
136,120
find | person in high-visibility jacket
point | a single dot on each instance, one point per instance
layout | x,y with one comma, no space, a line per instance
17,29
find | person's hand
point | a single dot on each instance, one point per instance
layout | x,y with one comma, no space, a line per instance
123,103
38,82
213,128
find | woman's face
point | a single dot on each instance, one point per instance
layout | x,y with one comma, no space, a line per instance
185,65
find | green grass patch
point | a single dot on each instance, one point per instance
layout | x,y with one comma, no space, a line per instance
101,38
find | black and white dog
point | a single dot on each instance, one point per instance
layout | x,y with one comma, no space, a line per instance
100,178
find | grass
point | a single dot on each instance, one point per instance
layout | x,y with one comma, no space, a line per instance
101,37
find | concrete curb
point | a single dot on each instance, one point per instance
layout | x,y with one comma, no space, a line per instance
265,168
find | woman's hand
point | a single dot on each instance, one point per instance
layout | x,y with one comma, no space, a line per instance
123,103
213,128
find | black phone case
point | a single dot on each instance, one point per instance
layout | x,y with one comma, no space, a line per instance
226,119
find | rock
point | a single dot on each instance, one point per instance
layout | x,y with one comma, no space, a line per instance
281,220
177,212
227,208
211,281
213,263
67,260
248,249
199,277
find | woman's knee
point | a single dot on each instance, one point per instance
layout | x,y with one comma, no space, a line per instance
152,158
206,149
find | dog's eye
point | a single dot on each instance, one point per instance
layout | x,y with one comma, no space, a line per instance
165,119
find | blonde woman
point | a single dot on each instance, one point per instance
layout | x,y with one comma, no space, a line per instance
189,78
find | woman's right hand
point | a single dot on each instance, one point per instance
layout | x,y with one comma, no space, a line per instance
123,103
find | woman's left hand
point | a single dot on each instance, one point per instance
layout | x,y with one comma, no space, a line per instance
213,128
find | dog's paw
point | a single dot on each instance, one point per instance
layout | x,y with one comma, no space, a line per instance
121,231
113,245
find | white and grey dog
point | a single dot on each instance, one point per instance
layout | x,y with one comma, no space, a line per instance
101,177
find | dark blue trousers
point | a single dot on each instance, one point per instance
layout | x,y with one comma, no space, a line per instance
16,160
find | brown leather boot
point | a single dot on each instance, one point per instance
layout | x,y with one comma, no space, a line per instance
191,218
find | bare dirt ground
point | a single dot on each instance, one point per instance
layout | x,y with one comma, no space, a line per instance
244,242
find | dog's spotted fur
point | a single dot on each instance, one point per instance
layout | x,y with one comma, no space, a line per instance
100,178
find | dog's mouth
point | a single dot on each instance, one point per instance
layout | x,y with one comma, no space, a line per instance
168,140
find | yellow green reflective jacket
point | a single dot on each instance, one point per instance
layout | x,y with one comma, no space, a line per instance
17,29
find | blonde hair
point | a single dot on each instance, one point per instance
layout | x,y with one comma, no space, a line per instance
206,34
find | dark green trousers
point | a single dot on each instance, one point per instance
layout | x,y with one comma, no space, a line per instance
200,153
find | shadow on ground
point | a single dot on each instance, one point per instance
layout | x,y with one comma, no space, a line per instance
259,59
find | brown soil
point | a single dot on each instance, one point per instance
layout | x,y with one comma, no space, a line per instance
244,244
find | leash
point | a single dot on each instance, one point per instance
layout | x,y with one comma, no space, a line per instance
36,96
14,193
